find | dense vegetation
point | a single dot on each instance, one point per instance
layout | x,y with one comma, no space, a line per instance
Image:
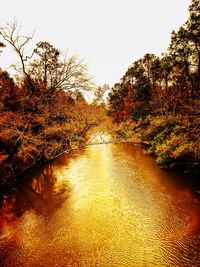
157,101
43,111
161,98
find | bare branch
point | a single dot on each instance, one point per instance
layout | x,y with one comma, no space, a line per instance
11,34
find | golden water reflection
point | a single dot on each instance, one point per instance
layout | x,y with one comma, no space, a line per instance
122,210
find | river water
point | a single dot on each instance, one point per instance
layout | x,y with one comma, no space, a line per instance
122,210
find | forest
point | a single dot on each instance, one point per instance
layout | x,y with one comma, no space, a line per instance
43,111
156,102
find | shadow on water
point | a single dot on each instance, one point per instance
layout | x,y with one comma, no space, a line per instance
174,179
171,178
122,210
39,191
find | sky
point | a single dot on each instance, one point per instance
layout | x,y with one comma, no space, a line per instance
108,34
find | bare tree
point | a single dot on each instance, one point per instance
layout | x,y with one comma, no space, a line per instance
47,69
11,34
56,73
100,94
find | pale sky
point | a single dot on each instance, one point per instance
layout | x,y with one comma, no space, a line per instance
108,34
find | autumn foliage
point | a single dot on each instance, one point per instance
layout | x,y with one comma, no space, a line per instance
43,111
162,97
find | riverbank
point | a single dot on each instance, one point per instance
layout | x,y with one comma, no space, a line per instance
173,140
18,177
35,137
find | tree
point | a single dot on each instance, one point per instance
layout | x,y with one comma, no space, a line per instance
138,80
116,103
185,51
47,72
193,24
53,74
11,35
100,94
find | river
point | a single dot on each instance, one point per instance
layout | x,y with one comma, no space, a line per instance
122,210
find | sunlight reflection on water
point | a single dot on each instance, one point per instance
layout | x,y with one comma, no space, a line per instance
122,210
98,138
